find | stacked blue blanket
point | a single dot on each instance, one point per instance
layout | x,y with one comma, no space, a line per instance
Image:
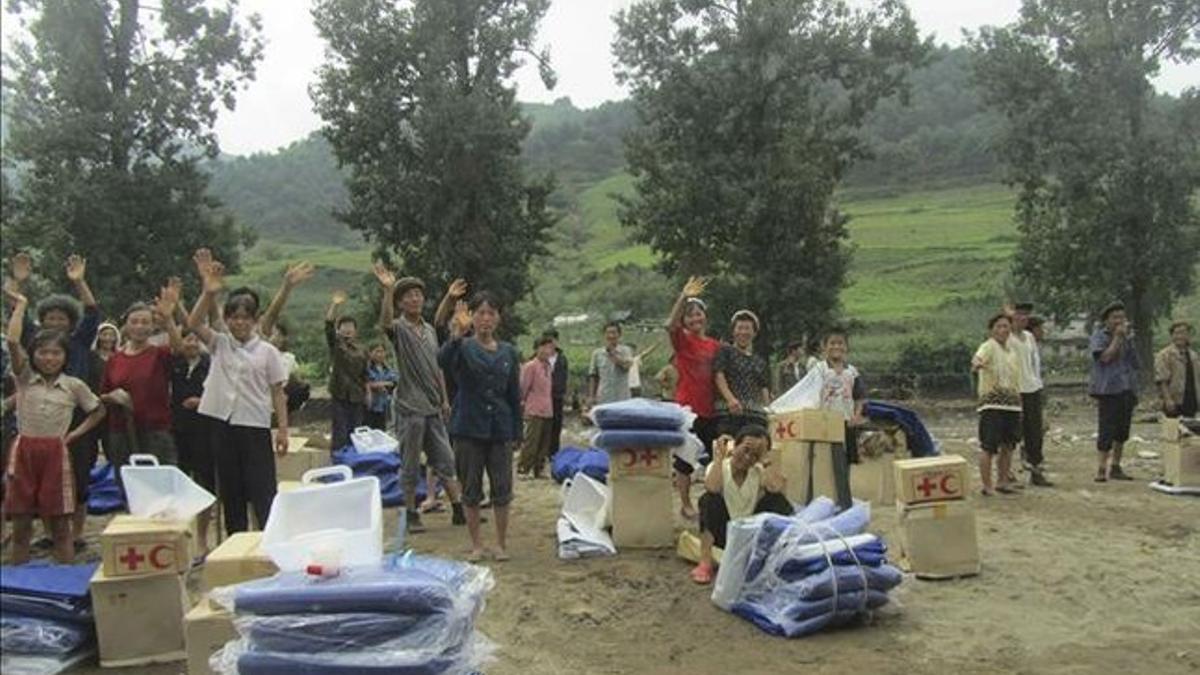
45,616
383,465
414,615
569,461
104,495
639,423
794,576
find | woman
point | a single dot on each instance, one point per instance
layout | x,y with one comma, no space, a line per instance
108,340
694,356
486,419
999,403
742,378
137,386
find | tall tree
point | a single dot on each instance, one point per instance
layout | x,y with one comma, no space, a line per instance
418,102
1107,175
750,111
112,106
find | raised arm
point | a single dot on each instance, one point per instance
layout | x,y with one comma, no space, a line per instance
16,326
168,301
293,276
694,288
212,283
445,310
339,297
77,274
714,478
387,306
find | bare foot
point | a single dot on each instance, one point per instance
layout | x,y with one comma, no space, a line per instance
476,555
688,513
500,555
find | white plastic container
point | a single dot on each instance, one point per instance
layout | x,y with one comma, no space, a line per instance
587,503
165,492
366,439
320,522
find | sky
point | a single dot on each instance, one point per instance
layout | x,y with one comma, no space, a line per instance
275,109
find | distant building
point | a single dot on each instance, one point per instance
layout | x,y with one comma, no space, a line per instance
1068,340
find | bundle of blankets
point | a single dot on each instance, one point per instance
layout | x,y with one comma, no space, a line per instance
386,466
413,615
46,623
796,575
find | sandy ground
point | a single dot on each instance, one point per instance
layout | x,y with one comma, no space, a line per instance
1082,578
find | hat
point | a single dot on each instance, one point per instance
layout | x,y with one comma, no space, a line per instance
745,315
406,284
1112,307
1179,324
1023,306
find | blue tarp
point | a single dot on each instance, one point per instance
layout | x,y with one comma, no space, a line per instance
386,467
920,442
104,496
569,461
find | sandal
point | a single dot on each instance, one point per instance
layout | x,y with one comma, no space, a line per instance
1005,490
501,556
702,574
475,557
1116,473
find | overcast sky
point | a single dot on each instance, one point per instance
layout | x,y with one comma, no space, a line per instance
276,110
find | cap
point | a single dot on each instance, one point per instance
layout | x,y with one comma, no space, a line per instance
406,284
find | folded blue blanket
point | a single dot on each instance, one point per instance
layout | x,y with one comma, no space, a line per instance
569,461
355,591
639,413
43,590
783,616
620,439
326,633
276,663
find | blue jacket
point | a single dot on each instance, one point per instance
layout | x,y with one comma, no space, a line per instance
487,403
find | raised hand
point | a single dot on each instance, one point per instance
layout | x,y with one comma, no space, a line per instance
168,298
461,320
458,288
214,279
14,295
386,277
299,273
203,259
22,267
176,285
694,287
339,297
76,268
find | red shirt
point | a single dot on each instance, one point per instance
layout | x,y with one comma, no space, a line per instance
147,378
694,360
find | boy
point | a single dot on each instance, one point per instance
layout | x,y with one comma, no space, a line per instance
380,381
538,406
348,380
842,388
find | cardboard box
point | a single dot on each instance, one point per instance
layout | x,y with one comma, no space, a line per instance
206,629
1181,463
640,462
139,620
643,511
874,480
932,479
237,559
793,462
938,539
799,426
140,546
300,458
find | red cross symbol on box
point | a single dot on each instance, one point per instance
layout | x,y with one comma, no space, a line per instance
132,558
650,457
929,485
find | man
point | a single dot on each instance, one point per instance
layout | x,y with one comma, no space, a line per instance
420,401
790,370
609,368
558,388
1031,386
1176,374
1113,384
348,373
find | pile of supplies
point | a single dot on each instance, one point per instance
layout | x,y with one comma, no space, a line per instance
46,623
1181,457
374,453
938,539
586,515
571,460
643,438
793,576
410,614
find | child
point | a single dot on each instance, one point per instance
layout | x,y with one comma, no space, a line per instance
245,383
348,381
39,468
538,407
192,433
380,381
137,379
842,388
739,483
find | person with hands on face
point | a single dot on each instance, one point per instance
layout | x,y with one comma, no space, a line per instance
38,472
243,389
740,482
486,419
1177,374
695,352
608,372
1113,383
419,401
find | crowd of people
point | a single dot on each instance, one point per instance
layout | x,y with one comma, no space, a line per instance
205,388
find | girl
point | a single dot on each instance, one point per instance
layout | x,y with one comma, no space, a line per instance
380,381
999,403
694,355
742,378
39,471
842,388
486,418
245,382
137,381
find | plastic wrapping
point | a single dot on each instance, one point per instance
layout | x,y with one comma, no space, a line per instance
318,633
41,637
620,439
26,664
642,413
804,395
241,658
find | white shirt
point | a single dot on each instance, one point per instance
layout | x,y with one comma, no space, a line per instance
238,388
289,363
740,500
1030,358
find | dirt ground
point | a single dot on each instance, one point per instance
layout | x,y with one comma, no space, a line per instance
1081,578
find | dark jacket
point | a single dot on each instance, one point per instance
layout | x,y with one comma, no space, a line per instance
183,387
558,379
348,379
487,403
